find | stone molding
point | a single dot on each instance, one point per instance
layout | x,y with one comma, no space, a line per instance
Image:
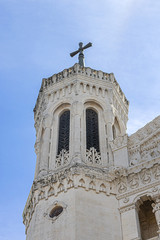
127,208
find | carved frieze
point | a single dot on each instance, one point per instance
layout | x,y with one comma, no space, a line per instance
156,171
75,176
122,185
144,145
133,180
145,175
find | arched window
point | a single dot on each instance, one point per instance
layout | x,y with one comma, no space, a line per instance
64,129
92,134
147,221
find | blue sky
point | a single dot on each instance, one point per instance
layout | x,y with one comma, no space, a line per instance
36,38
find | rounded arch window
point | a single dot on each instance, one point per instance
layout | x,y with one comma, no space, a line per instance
64,129
147,220
92,131
56,211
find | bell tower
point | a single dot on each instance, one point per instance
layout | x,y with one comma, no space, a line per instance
79,115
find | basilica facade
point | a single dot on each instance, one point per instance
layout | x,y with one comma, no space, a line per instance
92,181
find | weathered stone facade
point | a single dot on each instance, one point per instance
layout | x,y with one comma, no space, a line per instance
104,193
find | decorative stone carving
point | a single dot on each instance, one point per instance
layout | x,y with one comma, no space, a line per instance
156,171
133,180
119,142
122,186
145,176
144,145
134,157
117,172
126,200
62,158
93,157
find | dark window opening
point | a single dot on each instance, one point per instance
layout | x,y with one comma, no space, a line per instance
56,211
148,224
92,133
64,128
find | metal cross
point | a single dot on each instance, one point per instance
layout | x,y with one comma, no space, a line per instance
80,51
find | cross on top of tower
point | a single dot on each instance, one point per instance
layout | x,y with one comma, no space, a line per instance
80,51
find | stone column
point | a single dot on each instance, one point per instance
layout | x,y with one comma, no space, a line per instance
109,118
45,141
156,211
109,132
76,131
37,151
130,223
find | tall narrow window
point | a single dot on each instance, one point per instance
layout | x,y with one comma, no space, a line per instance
92,135
64,127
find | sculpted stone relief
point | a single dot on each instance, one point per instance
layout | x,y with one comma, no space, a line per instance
122,186
144,145
135,180
119,141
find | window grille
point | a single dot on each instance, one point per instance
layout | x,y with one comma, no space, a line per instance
64,129
92,135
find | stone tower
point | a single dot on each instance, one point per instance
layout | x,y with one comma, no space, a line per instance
91,181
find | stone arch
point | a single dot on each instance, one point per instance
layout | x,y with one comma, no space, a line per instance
102,187
70,183
51,191
116,128
92,185
94,104
41,195
82,182
147,221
